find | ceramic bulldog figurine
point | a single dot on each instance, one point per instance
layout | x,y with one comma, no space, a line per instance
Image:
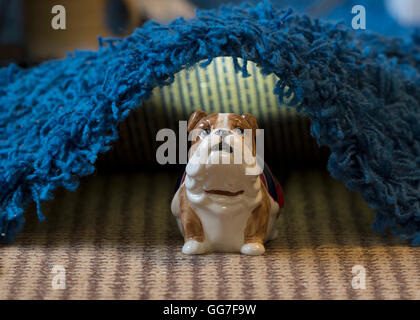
222,204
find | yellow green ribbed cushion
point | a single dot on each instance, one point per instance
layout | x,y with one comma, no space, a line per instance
216,88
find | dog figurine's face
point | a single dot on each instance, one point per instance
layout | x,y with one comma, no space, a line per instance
223,148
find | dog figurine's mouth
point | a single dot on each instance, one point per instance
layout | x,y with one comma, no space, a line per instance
225,193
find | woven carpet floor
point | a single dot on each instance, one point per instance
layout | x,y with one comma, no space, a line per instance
116,238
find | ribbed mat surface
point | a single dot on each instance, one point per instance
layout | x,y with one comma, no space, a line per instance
116,238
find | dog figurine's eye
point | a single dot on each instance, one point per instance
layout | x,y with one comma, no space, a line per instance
239,130
205,132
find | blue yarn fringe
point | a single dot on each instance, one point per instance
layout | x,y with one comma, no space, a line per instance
361,90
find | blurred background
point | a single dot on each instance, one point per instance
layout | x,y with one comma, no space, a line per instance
27,38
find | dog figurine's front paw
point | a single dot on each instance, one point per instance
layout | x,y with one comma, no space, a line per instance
253,249
194,247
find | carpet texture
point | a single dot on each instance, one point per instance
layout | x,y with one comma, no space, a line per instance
360,90
116,238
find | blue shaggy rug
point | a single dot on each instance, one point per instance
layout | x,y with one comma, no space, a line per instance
361,91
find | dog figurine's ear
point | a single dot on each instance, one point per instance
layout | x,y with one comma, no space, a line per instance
194,118
251,120
254,125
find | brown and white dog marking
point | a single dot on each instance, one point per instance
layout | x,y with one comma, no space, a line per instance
219,205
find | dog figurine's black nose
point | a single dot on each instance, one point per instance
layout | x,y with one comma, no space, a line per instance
223,133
